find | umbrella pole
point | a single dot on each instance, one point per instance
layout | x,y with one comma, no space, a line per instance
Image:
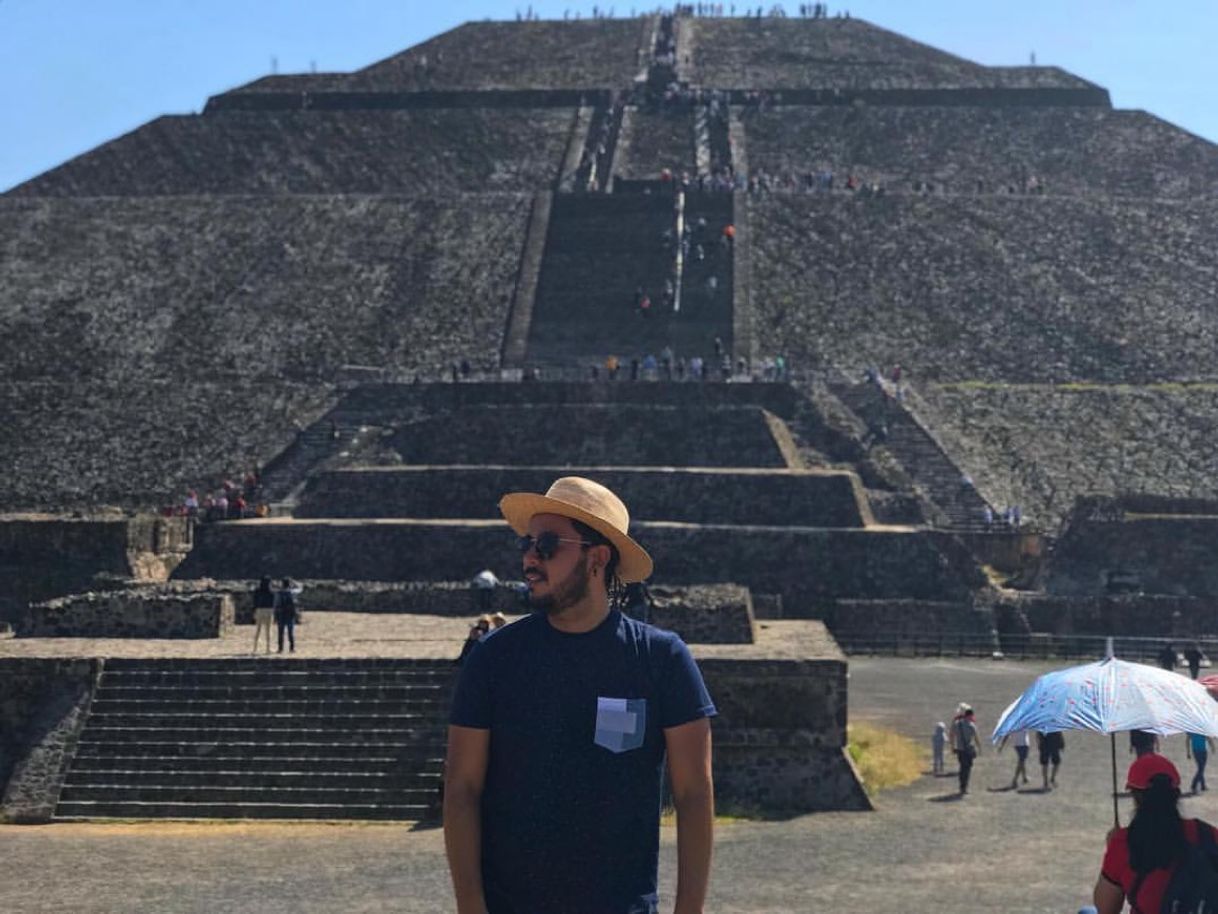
1116,816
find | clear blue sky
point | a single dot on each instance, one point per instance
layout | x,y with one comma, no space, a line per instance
76,73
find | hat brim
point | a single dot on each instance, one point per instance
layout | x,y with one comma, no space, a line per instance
634,564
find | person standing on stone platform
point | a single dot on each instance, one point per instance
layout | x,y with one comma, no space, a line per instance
287,613
264,612
560,726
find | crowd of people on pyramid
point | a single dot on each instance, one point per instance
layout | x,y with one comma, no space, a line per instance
669,366
704,10
229,501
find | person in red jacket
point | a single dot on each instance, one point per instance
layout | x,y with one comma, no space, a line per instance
1141,859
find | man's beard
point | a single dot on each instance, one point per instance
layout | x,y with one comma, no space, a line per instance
565,595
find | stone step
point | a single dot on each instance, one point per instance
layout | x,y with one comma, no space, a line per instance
272,721
264,736
405,780
303,692
85,810
320,704
274,678
369,664
94,766
155,749
116,793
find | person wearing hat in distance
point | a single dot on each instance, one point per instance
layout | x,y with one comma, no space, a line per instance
560,726
1140,859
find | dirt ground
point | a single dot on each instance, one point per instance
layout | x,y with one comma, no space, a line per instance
922,850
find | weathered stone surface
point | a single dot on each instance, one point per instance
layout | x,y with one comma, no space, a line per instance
803,497
1041,445
986,288
335,281
586,54
44,556
846,54
1091,151
809,567
719,614
590,435
129,614
1131,615
321,152
1175,555
780,734
653,141
923,618
43,703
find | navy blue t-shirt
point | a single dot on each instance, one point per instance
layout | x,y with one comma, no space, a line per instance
571,805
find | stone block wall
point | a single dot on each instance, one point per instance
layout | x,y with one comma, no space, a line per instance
378,403
1040,445
1175,555
700,614
591,435
923,618
1087,150
947,303
321,152
45,556
79,388
721,614
774,772
129,614
777,498
810,568
43,705
1129,615
780,734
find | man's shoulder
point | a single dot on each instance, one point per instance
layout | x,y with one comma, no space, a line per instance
661,639
523,630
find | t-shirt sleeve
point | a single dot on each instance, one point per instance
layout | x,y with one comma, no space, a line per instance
471,705
683,696
1115,867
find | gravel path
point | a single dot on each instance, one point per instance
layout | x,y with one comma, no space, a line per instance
921,851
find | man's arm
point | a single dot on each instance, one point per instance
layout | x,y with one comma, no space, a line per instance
693,794
464,777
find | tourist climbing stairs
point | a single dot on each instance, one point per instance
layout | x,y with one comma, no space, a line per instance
262,738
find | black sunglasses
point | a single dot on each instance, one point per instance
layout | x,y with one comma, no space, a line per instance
545,543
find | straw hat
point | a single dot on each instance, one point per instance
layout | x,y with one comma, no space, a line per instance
589,503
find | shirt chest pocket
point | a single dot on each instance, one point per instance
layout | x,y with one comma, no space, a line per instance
621,723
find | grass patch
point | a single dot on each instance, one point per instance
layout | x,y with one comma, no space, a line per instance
884,758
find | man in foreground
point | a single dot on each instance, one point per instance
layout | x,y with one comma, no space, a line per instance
560,726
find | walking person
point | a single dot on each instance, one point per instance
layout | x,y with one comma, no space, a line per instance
560,726
287,613
1194,658
1051,746
1198,748
1022,741
1141,860
966,744
264,612
1167,656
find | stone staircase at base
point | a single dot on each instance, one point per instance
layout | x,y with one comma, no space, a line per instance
262,739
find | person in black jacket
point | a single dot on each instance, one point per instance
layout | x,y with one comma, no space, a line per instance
287,613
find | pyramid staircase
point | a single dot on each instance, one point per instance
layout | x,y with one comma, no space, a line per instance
262,739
